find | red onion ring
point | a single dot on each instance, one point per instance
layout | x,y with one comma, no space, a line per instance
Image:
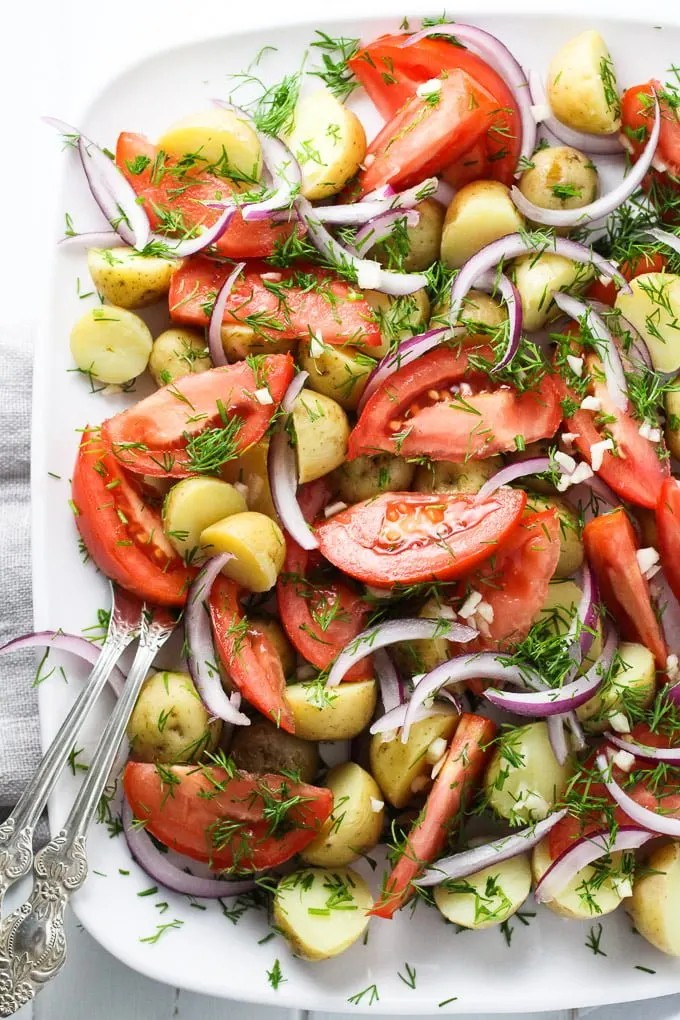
582,853
394,719
581,631
502,60
558,737
665,237
491,282
479,857
642,816
335,752
217,314
511,473
551,701
181,248
380,228
444,194
94,239
200,649
160,869
74,644
668,611
603,145
376,204
390,633
408,350
670,755
114,195
283,472
613,369
388,679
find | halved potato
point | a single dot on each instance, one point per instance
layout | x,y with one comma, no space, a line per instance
571,546
337,713
653,307
480,213
632,684
178,352
365,477
338,372
447,476
321,433
559,608
537,277
128,279
191,506
582,88
424,239
673,419
322,911
251,470
596,890
216,137
397,766
488,897
240,341
654,906
256,543
328,141
524,779
356,821
398,317
111,344
169,722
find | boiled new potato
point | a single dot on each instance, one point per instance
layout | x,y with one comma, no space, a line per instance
558,611
481,313
631,684
219,138
447,476
250,469
653,308
178,352
127,279
398,317
560,178
356,821
423,654
480,213
276,635
321,911
524,779
654,906
539,448
397,766
111,344
338,713
329,143
488,897
169,722
240,341
338,372
424,239
266,748
365,477
582,89
194,504
537,277
673,419
321,433
571,546
256,543
596,890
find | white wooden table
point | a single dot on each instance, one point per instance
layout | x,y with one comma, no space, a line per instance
55,56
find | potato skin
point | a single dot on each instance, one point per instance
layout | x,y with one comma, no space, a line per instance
571,546
257,544
633,681
395,766
480,213
337,714
560,178
538,277
178,352
365,477
398,317
169,722
654,906
488,897
240,340
568,902
582,89
338,372
321,434
479,309
300,912
448,476
354,825
262,747
127,279
424,239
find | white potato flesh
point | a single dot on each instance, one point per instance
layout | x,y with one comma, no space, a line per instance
112,344
250,469
398,317
178,352
322,911
338,713
194,504
366,477
488,897
480,213
571,546
631,685
590,894
524,779
169,722
328,141
424,239
654,906
397,766
338,372
582,88
354,825
538,277
218,137
653,307
257,546
128,279
321,433
481,314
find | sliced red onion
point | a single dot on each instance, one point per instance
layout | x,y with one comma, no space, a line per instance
74,644
583,852
380,228
283,472
587,496
181,248
114,195
506,475
668,610
335,752
552,700
479,857
670,755
94,239
602,145
217,314
388,679
499,281
665,237
390,633
376,204
557,736
156,864
444,193
613,369
602,206
200,649
384,191
394,719
642,816
637,346
578,737
502,60
582,628
408,350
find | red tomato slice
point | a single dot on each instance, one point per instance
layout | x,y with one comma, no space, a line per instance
229,820
646,262
426,136
157,436
461,772
634,471
637,116
391,72
249,658
279,304
123,535
610,545
405,537
169,194
668,528
415,412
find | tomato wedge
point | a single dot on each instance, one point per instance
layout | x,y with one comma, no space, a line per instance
391,71
668,529
278,304
637,117
461,772
405,537
122,533
611,549
249,658
232,820
425,136
201,421
174,195
645,262
440,407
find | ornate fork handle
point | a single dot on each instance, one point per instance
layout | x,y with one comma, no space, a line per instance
32,939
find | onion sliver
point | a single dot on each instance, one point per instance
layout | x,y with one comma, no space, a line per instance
114,195
665,237
613,369
500,58
182,247
669,755
603,145
470,861
94,239
522,469
215,344
156,864
582,628
602,206
582,853
380,228
394,719
200,650
74,644
283,472
390,633
357,213
667,609
408,350
642,816
499,281
552,700
558,737
388,679
335,752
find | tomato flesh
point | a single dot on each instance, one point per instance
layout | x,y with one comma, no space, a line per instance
637,117
668,529
646,262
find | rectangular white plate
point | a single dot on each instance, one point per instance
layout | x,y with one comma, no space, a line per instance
548,965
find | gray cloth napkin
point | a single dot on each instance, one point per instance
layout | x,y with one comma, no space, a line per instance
19,748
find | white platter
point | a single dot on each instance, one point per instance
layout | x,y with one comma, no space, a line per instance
548,965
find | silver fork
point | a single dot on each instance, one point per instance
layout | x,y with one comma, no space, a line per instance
32,939
16,832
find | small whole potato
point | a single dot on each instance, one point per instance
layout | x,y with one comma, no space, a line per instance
596,890
365,477
178,352
488,897
654,906
128,279
336,714
328,141
169,722
560,178
356,821
400,768
571,546
481,212
424,239
582,88
338,372
524,780
537,277
111,344
448,476
303,910
262,747
630,684
275,633
321,433
257,546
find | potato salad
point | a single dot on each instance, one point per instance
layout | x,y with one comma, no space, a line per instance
408,470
